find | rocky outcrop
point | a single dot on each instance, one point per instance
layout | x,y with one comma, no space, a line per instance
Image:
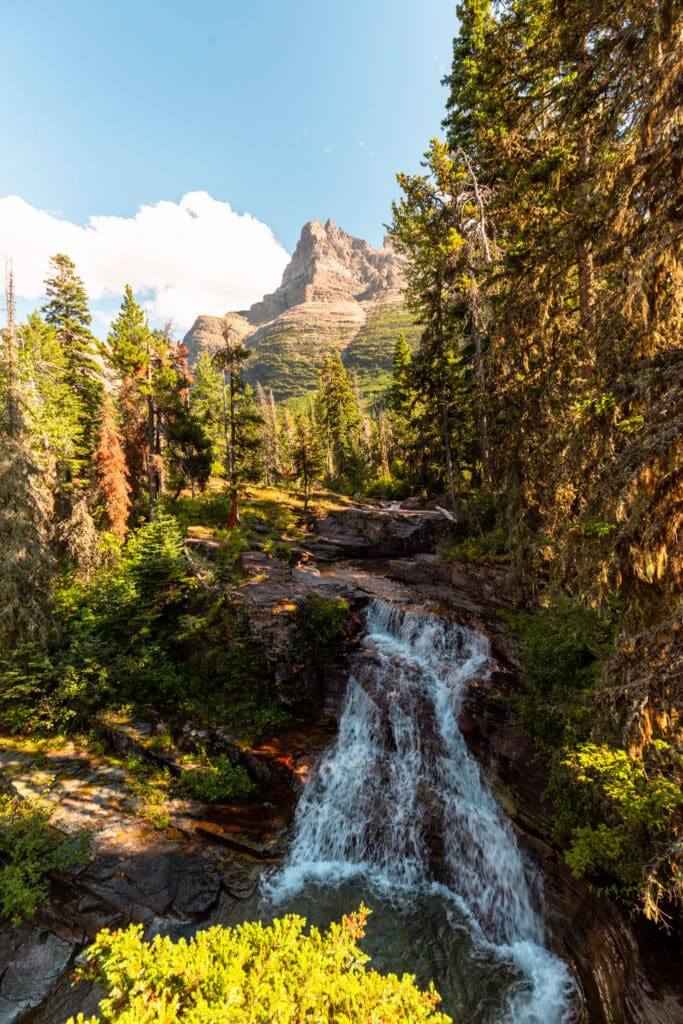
375,533
274,596
337,293
206,334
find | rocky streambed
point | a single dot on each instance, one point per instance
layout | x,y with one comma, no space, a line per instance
204,865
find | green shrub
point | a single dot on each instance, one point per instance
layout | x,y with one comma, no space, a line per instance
216,780
251,974
150,785
322,622
616,814
234,543
282,550
387,486
616,819
29,852
480,548
563,648
208,509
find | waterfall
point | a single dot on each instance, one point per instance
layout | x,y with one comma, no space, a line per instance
400,803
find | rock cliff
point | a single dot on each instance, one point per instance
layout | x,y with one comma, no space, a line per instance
337,293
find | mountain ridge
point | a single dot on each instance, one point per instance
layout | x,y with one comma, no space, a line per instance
334,288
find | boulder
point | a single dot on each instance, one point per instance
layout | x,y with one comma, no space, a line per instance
375,533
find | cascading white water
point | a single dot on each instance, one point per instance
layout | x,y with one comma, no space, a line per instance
399,802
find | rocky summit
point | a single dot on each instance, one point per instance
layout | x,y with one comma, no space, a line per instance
337,293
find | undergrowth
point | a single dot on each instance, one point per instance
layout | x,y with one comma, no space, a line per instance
614,815
30,851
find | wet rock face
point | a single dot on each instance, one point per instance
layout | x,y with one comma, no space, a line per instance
612,956
628,971
29,969
273,595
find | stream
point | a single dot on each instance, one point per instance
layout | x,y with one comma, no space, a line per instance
398,814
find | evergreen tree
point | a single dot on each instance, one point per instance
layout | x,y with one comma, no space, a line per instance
178,438
128,340
26,561
51,406
337,413
441,223
206,402
112,473
161,431
249,452
571,121
272,458
66,310
239,415
287,440
400,394
78,537
157,560
127,353
308,458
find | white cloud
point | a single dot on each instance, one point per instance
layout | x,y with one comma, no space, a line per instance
195,256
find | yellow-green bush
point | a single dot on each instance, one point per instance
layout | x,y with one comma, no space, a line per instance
250,975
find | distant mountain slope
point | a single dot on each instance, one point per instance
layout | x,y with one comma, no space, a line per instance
337,292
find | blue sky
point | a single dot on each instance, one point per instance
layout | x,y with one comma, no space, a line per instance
286,111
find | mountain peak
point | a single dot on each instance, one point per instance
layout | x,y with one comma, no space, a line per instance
338,293
329,265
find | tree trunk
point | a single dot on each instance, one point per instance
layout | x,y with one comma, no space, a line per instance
449,458
584,245
151,454
226,429
234,517
481,386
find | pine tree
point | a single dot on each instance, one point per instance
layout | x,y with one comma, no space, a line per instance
112,473
78,537
240,417
307,455
177,435
128,354
26,561
272,457
51,407
287,439
157,560
66,310
206,402
337,413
